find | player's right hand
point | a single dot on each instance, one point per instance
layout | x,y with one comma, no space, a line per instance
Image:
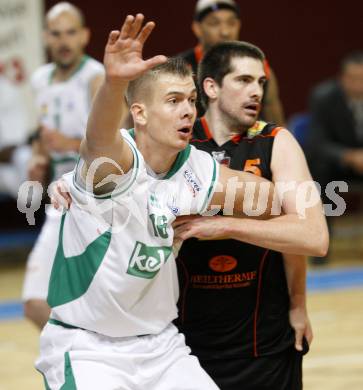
59,194
123,53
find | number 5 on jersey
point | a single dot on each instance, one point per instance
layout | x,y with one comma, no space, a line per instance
252,166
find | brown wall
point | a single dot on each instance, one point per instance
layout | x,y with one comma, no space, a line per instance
304,40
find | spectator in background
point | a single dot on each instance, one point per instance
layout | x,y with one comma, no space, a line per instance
14,153
217,21
335,137
63,93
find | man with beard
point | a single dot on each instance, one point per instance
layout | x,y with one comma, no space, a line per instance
217,21
242,284
63,91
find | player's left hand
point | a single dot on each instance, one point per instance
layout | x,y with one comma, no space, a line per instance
204,228
299,320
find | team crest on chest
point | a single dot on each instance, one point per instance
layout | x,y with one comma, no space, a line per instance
172,204
221,158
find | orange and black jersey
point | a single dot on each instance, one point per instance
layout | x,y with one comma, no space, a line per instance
194,56
233,296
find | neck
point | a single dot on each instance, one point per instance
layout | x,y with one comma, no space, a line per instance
160,159
64,73
221,127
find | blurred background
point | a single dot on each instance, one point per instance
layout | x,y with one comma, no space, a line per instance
304,43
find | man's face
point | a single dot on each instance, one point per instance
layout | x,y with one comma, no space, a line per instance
171,111
239,97
352,81
66,39
218,26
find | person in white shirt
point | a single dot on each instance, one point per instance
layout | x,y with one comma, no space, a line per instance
63,92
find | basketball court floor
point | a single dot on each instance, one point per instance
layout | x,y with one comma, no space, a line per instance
335,301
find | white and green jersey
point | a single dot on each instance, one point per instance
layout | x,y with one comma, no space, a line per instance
114,272
65,105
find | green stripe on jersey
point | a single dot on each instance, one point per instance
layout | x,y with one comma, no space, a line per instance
180,160
116,191
71,276
212,185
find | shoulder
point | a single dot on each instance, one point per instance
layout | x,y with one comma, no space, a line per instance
93,65
196,154
263,129
90,69
201,161
41,76
285,147
129,137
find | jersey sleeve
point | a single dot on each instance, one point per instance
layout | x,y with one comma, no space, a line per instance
113,185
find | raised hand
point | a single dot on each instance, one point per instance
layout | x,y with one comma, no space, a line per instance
123,53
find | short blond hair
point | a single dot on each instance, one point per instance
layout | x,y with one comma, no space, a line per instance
65,7
141,87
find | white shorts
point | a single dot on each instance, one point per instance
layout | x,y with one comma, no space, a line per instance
40,260
76,359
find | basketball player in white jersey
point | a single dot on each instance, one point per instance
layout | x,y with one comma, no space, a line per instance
63,92
113,287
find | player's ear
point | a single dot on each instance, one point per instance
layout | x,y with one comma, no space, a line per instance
211,88
196,29
139,114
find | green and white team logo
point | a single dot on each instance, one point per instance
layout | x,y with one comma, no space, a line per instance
146,261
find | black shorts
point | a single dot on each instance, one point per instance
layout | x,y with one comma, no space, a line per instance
282,371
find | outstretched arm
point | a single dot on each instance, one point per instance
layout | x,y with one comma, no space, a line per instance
301,227
123,62
241,193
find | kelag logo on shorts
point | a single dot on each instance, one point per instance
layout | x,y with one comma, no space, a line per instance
146,261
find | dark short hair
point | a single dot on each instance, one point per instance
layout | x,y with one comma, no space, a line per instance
174,65
355,57
217,62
